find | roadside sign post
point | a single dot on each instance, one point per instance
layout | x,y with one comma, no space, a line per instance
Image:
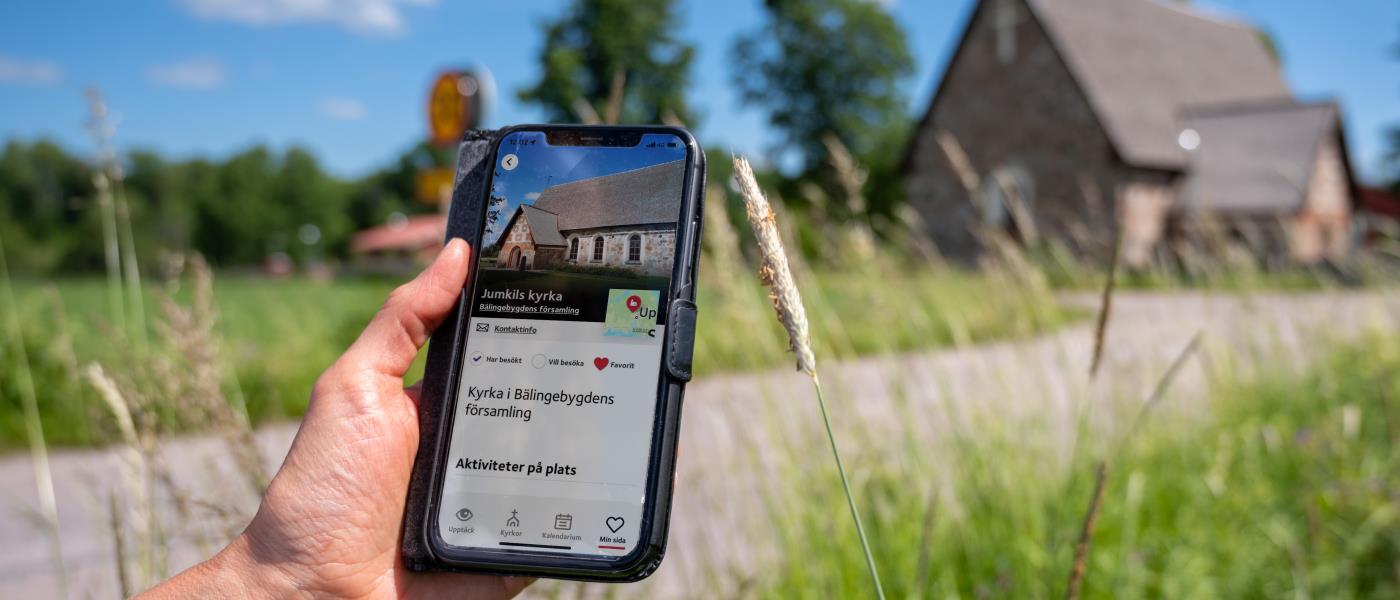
457,102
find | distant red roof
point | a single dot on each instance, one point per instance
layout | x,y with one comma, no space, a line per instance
1381,202
413,234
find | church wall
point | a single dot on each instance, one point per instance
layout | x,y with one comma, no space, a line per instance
517,237
1027,115
658,248
1323,229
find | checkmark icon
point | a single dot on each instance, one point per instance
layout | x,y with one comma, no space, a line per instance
476,358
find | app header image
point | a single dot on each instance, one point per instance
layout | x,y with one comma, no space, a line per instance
624,221
568,226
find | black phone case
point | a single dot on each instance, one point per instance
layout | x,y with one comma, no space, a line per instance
469,194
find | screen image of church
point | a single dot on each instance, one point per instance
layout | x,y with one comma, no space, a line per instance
624,220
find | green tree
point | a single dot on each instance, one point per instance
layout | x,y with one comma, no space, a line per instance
315,205
237,223
821,66
43,195
393,189
615,61
162,215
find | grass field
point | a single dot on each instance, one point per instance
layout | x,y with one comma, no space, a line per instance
276,336
272,338
1287,488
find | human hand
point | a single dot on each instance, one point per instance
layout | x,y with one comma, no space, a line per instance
330,522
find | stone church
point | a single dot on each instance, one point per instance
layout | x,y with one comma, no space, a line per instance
1070,118
624,220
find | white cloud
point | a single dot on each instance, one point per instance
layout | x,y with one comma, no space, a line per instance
378,17
193,74
532,196
343,109
28,72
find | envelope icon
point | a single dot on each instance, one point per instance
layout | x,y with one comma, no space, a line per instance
483,327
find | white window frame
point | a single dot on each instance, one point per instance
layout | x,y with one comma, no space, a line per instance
640,246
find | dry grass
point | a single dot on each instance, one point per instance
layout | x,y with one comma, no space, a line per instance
787,302
179,384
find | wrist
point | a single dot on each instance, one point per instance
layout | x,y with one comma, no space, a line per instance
244,568
235,572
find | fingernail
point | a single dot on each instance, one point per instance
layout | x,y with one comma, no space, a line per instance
455,245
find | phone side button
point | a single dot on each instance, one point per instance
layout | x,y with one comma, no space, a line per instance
695,231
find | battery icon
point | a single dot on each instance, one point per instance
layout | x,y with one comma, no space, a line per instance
563,522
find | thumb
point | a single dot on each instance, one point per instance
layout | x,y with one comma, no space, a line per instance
391,341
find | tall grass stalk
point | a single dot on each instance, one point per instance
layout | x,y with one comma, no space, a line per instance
776,274
111,195
33,425
1106,304
1086,533
131,271
1160,390
111,252
1091,515
114,520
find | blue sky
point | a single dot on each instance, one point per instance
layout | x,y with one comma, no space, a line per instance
348,78
540,166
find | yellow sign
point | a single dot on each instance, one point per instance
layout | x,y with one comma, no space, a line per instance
434,185
452,107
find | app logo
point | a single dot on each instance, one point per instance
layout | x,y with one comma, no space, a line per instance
631,313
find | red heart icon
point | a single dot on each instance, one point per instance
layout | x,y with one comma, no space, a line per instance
600,362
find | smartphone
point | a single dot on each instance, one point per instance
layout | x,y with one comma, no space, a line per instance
558,454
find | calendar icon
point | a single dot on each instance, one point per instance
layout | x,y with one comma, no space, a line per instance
563,522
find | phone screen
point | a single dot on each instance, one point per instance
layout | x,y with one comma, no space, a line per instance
552,434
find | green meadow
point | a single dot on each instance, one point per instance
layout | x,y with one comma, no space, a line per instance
1284,486
273,337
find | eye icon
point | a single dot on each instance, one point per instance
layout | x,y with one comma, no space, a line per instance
464,514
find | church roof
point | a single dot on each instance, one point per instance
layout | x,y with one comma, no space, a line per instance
1141,62
645,196
1254,157
544,226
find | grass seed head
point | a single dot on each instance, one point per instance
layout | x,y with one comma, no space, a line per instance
773,269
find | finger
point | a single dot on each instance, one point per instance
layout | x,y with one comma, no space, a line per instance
391,340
